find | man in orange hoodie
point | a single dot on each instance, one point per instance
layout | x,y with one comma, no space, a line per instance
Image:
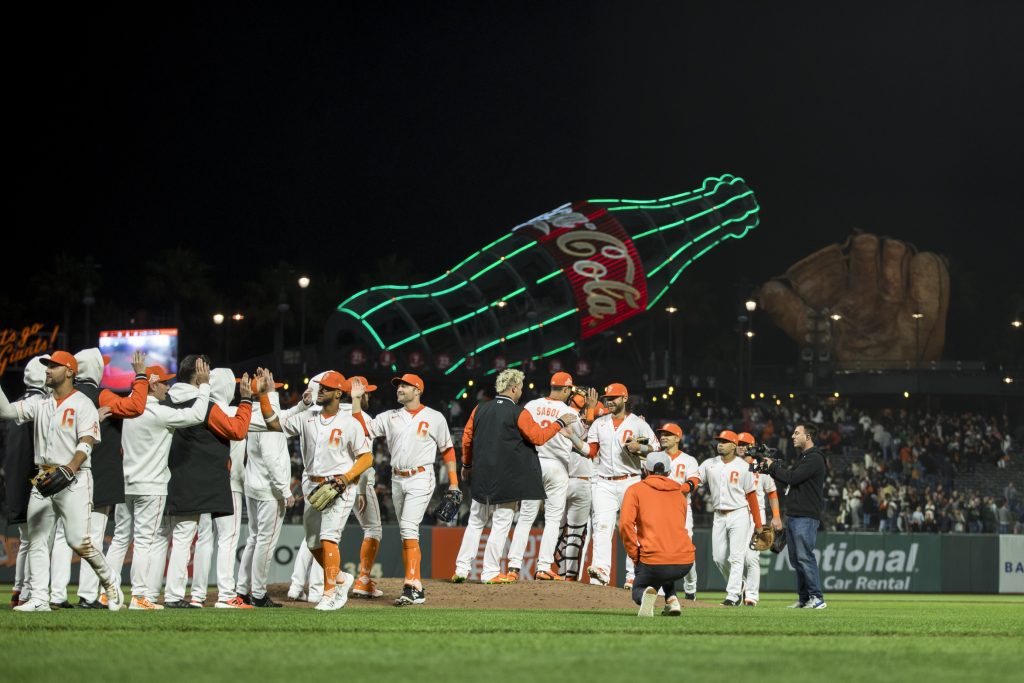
652,525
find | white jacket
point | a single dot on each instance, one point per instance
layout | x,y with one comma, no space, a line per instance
268,470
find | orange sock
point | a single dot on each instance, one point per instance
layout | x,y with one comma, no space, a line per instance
318,555
332,565
411,558
367,555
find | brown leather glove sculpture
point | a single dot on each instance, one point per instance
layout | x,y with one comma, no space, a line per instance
876,285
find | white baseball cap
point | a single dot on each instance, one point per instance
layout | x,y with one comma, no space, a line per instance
655,459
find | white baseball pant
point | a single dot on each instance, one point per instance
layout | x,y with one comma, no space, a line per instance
182,531
265,519
60,564
501,517
327,525
575,521
88,583
607,501
556,488
730,538
411,495
306,569
369,518
72,506
138,520
22,583
752,570
690,580
226,529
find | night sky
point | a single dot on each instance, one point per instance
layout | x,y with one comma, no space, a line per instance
332,138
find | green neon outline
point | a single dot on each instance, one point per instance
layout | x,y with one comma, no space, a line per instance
716,207
705,195
506,337
654,271
365,324
537,357
702,188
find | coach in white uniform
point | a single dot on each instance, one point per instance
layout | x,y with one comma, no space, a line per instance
66,425
684,466
615,441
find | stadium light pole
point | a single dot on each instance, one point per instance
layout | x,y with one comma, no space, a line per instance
751,306
303,285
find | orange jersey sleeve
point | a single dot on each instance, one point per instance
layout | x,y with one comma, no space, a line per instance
755,509
231,428
533,432
132,405
467,441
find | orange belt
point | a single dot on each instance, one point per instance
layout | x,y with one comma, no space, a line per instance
725,512
583,478
318,480
620,477
408,473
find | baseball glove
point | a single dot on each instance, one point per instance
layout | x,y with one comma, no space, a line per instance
448,510
762,539
325,494
780,541
54,481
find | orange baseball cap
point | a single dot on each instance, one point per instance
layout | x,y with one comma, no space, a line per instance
729,436
369,387
561,379
672,428
410,379
614,390
335,380
62,358
746,438
158,373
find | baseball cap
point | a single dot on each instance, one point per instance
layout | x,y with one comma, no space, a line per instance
671,428
729,436
746,438
62,358
656,459
158,373
410,379
366,383
335,380
614,390
561,379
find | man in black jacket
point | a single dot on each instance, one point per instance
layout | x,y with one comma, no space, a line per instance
805,495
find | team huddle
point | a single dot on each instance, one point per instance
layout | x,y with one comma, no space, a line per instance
173,463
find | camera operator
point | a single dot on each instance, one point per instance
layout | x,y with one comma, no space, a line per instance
805,484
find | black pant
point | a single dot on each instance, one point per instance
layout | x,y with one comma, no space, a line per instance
663,576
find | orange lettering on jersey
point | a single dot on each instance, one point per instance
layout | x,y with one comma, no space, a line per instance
68,419
335,438
734,477
422,428
626,436
681,471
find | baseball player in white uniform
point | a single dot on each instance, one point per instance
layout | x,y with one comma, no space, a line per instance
617,442
66,426
684,467
764,487
335,452
556,457
731,493
367,510
414,434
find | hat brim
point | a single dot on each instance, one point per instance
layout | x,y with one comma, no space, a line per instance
665,431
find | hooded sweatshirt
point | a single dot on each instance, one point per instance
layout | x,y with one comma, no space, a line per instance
107,460
19,460
222,390
652,523
268,469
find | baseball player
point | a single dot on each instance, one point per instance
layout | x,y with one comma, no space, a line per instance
335,452
731,493
414,434
19,467
576,517
268,473
764,487
684,466
200,464
66,428
617,441
304,570
555,458
107,463
367,510
146,445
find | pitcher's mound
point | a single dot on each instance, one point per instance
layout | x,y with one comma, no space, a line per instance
471,595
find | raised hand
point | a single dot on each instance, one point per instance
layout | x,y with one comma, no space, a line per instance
875,286
358,389
139,362
592,398
244,387
202,372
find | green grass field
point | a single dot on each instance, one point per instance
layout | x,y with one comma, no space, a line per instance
859,637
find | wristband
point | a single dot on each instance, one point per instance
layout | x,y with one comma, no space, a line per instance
83,447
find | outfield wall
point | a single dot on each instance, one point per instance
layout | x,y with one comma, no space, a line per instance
849,562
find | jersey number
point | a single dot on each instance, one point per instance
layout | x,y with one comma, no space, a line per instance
68,419
734,477
422,428
335,438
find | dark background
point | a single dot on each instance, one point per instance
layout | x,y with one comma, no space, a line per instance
184,159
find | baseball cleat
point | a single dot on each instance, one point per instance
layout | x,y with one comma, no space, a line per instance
196,602
647,602
730,603
179,604
143,604
365,587
628,585
61,605
329,604
234,603
411,596
315,597
296,593
115,598
501,578
458,579
101,603
692,597
513,574
246,598
15,598
799,604
598,576
672,608
816,603
33,605
750,603
264,601
547,576
339,598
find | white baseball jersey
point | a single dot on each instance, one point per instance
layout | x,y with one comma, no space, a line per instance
544,412
368,479
414,438
580,466
59,425
728,484
684,466
611,437
763,485
330,445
